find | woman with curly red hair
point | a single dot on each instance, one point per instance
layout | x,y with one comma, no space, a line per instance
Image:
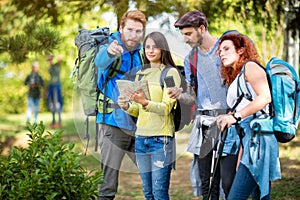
259,164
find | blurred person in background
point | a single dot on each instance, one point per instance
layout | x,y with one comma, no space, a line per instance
35,82
54,97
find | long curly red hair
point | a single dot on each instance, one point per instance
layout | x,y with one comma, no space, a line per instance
249,53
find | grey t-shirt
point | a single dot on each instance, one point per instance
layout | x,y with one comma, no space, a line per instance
211,93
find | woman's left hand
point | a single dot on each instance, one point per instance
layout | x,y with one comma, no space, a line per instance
225,121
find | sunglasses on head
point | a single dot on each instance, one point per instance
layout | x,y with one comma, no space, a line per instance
233,32
230,32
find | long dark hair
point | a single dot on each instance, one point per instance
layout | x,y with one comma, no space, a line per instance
161,43
250,53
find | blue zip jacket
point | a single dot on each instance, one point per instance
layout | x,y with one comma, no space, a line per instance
130,63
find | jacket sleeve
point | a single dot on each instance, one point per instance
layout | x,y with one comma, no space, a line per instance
133,109
102,59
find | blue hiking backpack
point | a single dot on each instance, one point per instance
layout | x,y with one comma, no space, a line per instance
284,112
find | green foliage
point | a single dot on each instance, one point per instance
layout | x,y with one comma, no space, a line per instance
10,18
26,33
39,9
40,38
47,169
13,95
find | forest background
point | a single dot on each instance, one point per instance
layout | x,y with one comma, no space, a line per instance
31,30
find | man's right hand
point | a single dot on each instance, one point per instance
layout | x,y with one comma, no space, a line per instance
114,49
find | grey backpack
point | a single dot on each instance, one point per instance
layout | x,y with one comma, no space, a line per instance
85,71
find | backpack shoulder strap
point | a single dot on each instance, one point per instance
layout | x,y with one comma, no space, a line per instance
193,59
115,68
243,88
116,65
163,75
141,54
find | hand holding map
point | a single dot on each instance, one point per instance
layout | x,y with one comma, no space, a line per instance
124,85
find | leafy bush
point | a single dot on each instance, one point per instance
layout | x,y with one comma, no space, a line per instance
47,169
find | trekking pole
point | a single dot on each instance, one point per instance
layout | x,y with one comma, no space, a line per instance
221,146
219,154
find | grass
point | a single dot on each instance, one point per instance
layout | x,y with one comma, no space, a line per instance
13,132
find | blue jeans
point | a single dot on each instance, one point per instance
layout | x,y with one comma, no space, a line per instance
33,104
154,156
244,185
54,98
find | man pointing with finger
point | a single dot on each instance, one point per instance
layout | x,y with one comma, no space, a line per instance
120,59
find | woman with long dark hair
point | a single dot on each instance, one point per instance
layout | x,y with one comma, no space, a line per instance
154,144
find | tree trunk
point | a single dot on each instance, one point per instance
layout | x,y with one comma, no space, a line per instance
291,42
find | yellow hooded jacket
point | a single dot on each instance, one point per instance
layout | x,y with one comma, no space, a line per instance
155,119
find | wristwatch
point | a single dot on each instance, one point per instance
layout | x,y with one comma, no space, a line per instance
237,116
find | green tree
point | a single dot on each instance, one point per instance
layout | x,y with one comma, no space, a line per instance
271,13
35,38
22,34
31,29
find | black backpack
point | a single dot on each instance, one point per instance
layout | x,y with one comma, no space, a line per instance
183,112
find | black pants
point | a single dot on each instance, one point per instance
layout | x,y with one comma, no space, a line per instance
228,171
205,165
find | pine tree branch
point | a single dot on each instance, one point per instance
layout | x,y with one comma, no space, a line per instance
40,39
